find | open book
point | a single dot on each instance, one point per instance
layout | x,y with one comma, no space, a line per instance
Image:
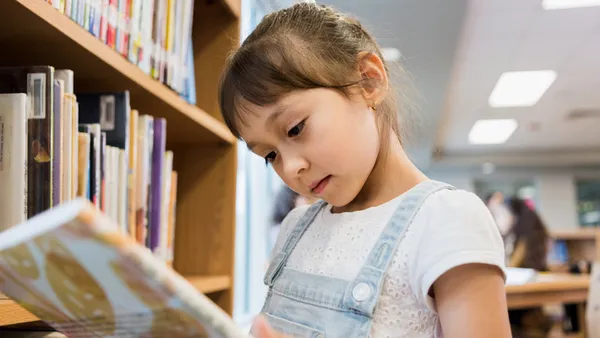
72,267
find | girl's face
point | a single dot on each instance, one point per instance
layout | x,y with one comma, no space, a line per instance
319,142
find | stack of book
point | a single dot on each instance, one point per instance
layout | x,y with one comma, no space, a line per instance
57,145
155,35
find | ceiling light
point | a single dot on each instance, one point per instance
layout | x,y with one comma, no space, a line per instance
391,54
521,89
565,4
492,131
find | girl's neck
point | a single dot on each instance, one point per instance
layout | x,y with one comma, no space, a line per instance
393,174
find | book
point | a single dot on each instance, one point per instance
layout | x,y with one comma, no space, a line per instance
73,268
13,159
156,187
38,83
58,144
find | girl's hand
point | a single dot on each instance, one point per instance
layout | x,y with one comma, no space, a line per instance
262,329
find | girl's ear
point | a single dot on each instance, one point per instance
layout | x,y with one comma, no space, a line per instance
374,78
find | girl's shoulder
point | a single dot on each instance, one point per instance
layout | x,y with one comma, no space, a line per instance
455,199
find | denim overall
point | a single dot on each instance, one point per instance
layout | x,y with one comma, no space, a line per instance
305,305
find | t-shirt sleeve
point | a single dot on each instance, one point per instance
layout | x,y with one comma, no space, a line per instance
286,228
452,228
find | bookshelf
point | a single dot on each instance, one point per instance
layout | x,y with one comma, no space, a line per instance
32,32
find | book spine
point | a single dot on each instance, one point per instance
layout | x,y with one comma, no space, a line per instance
75,142
131,183
122,189
172,218
58,145
68,7
146,49
145,132
40,134
113,18
67,151
13,159
165,202
158,153
104,10
126,28
103,171
83,163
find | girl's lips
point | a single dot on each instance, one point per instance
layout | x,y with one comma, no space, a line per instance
319,186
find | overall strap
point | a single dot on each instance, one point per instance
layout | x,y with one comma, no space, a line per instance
282,256
362,293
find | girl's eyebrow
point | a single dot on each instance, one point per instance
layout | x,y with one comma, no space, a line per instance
276,114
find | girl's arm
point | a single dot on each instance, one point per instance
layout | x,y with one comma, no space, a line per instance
471,302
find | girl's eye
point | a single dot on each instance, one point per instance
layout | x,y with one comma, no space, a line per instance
296,130
270,157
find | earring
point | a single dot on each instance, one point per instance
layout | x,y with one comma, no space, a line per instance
373,106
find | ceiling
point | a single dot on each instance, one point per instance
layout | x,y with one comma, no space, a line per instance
516,35
456,50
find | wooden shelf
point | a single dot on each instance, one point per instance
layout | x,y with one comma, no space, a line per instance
13,314
210,284
36,33
576,234
234,7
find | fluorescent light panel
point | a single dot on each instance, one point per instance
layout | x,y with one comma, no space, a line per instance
521,88
565,4
493,131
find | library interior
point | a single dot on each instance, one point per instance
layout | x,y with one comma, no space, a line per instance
132,206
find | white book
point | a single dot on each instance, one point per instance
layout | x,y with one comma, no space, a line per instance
163,245
115,187
13,159
75,143
66,135
67,76
144,167
147,36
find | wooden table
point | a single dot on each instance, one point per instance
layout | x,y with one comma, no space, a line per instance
548,288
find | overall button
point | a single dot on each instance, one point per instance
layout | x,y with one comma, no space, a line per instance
361,291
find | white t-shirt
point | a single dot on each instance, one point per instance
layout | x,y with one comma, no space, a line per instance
453,227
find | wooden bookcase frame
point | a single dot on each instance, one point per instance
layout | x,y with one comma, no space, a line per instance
32,32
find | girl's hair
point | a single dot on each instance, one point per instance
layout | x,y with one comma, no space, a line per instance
285,201
530,229
304,46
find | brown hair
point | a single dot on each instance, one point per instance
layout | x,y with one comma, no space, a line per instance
304,46
530,229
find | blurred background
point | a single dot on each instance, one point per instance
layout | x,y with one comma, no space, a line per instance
506,97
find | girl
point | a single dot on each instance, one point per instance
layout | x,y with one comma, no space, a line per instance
386,252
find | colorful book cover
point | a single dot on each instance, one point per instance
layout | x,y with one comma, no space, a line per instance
156,196
73,268
57,145
38,83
